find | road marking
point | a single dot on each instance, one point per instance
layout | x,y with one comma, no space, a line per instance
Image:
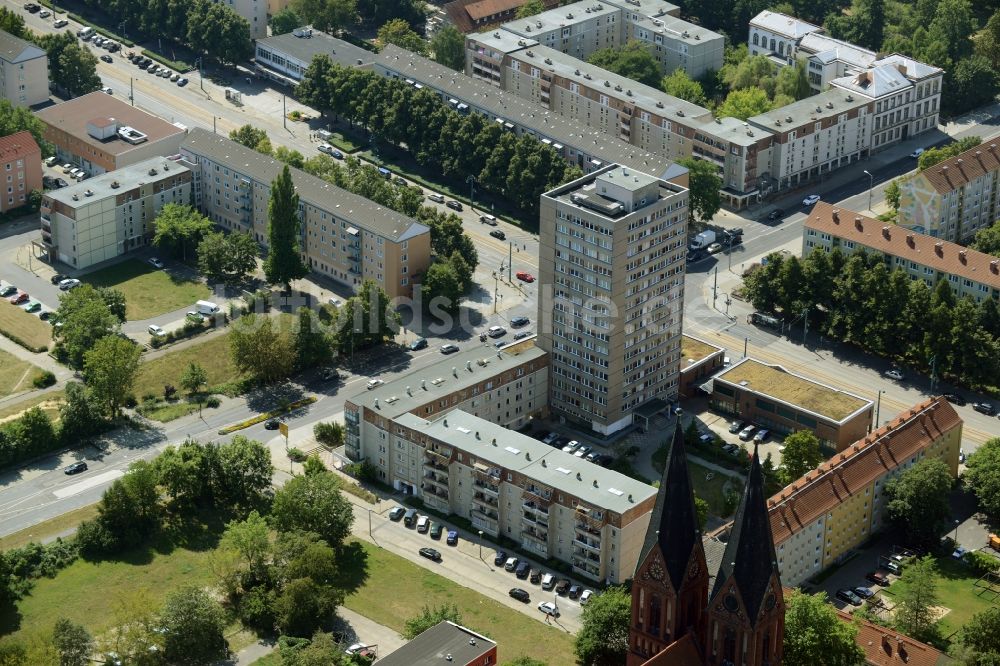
87,484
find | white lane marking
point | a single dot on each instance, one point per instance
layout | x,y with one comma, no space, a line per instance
87,484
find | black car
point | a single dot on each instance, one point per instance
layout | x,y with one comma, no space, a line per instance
49,183
430,554
517,322
984,408
61,183
271,424
44,316
396,513
419,343
522,571
32,7
500,558
575,591
437,530
776,214
519,594
76,468
535,576
114,48
562,587
499,235
454,205
106,58
849,596
57,278
954,398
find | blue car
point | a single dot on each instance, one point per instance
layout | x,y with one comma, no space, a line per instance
452,538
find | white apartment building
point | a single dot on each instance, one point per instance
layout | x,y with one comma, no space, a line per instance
285,58
778,34
612,247
110,214
24,71
577,29
255,13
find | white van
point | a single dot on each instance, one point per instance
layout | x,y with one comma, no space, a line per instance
423,523
207,307
85,33
548,581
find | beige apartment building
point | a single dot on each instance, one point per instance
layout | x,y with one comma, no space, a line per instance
20,170
255,13
612,247
111,214
345,237
24,71
953,199
968,272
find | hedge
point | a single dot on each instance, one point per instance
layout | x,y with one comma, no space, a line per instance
176,65
267,415
48,3
101,31
190,329
13,338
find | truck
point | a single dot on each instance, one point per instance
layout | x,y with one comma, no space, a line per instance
702,240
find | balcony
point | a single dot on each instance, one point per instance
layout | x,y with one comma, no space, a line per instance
489,523
540,497
437,501
486,502
586,528
487,488
436,479
536,509
441,456
535,543
589,570
588,545
433,464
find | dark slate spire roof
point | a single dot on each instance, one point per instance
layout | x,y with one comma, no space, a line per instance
749,556
673,524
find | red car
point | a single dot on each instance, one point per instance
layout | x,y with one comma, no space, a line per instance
19,298
526,277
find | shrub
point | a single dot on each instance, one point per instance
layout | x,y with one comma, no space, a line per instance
130,402
256,608
149,397
212,402
362,471
44,379
296,454
169,390
179,66
981,563
13,338
94,539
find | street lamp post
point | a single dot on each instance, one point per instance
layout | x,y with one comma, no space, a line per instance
871,186
201,75
956,531
878,406
480,544
471,180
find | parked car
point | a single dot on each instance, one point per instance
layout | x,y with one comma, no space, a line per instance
761,435
496,331
49,161
731,449
562,587
325,148
511,563
585,597
570,446
155,330
33,306
500,558
437,530
524,276
535,576
430,554
60,23
984,408
423,524
776,214
32,7
9,290
736,426
61,183
522,571
810,200
715,248
452,538
519,594
747,433
917,153
575,591
374,383
499,235
272,424
955,399
76,468
520,335
549,608
183,82
57,278
454,205
961,456
396,514
44,13
449,348
419,343
582,450
106,58
107,91
488,219
548,581
517,322
435,197
45,316
893,373
17,299
849,597
155,262
864,592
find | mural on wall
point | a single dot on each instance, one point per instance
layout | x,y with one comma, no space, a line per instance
918,206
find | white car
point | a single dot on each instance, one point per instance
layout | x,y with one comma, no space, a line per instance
496,331
894,374
549,608
156,263
68,284
325,148
917,153
44,13
374,383
109,91
571,446
155,330
50,161
435,197
61,23
747,433
585,597
810,200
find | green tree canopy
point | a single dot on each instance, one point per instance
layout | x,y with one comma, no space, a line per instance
980,638
704,182
815,636
110,369
530,8
915,600
633,60
682,86
194,378
251,538
430,616
15,119
793,82
313,504
193,624
284,22
744,103
982,475
603,638
73,642
448,47
802,454
84,318
179,227
77,71
259,349
918,499
327,15
248,135
312,343
932,156
228,258
398,32
284,261
441,288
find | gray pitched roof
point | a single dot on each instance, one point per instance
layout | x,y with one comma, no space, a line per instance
875,82
15,49
356,209
783,24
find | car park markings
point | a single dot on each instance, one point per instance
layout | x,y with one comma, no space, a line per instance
87,484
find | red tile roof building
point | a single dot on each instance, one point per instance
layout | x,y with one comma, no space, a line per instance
20,169
473,15
885,647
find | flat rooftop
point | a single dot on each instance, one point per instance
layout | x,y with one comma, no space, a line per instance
597,486
72,117
436,381
434,646
561,17
317,43
501,41
829,104
775,382
126,179
694,350
783,24
652,8
583,193
733,130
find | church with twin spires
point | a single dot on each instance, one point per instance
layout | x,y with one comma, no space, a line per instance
684,613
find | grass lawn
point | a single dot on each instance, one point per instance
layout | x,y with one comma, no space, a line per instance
212,355
16,375
711,490
148,291
377,593
49,528
49,401
273,659
23,327
168,411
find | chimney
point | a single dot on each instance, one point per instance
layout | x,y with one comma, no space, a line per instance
995,266
836,216
939,249
885,233
886,645
858,224
961,256
911,240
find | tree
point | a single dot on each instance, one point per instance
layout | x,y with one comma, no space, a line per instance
260,350
815,636
300,608
745,71
244,472
932,156
980,638
982,475
744,103
289,156
366,319
115,300
802,454
988,239
524,660
633,60
251,539
313,346
398,32
79,414
704,183
228,258
953,25
530,8
916,598
128,512
892,194
313,504
285,21
193,625
248,135
603,638
84,318
178,227
918,499
329,434
15,119
13,23
988,40
327,15
110,369
973,81
284,261
682,86
448,47
73,642
431,616
77,71
441,287
194,378
232,42
793,81
868,23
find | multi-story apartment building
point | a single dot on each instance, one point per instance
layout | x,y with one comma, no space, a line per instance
20,169
783,402
253,11
611,254
343,236
507,387
471,15
101,133
590,149
111,214
581,28
820,518
778,34
285,58
24,71
968,272
815,136
953,199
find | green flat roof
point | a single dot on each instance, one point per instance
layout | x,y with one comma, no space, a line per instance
694,350
776,382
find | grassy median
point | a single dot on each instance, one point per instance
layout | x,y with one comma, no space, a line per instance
211,354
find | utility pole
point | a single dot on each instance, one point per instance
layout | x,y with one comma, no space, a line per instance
496,290
201,75
213,126
871,186
805,324
510,260
284,113
746,341
878,407
131,90
471,180
715,286
933,372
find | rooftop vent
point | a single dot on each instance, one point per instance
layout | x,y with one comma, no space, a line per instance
577,72
76,198
788,119
472,641
819,109
538,23
962,256
151,172
885,232
829,105
115,185
849,98
836,215
548,61
497,35
454,371
659,105
376,404
680,113
858,224
587,76
579,477
618,88
911,240
530,53
569,15
607,84
131,135
628,92
88,193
